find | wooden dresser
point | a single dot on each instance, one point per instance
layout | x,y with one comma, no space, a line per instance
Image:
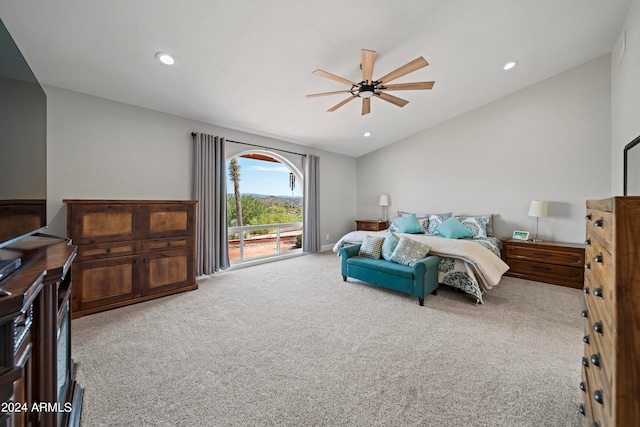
546,261
611,362
130,251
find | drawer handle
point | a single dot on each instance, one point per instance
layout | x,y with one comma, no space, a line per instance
585,339
587,266
597,327
595,360
598,258
585,362
583,387
581,410
588,217
586,290
585,314
587,242
597,396
598,292
599,222
545,254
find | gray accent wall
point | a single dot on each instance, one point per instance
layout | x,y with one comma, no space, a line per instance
550,141
625,87
101,149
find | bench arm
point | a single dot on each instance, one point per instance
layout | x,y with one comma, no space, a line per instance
347,252
425,273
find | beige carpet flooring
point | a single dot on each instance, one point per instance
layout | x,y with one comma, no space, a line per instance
290,344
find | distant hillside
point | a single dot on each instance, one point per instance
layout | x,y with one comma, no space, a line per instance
276,200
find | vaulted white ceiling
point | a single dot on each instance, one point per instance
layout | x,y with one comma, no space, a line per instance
247,65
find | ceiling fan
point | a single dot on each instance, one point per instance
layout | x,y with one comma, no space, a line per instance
369,88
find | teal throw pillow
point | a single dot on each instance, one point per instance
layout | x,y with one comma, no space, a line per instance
389,245
453,229
408,251
371,247
435,220
407,224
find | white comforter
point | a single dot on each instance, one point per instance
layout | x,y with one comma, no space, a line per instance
487,267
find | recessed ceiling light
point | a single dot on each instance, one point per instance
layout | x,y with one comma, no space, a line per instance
165,58
367,134
509,65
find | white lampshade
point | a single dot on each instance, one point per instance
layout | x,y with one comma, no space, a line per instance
539,208
384,200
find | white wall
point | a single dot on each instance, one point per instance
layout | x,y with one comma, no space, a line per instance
550,141
101,149
625,86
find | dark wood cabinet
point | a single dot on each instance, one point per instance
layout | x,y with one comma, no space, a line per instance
37,373
547,261
130,251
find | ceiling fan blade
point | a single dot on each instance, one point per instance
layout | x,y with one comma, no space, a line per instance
366,106
412,66
333,77
392,99
409,86
335,107
367,61
315,95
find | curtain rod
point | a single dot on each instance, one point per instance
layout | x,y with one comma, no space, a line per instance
261,146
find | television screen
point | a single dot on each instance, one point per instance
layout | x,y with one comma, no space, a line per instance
23,145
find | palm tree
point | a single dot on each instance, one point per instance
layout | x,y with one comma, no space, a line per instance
234,175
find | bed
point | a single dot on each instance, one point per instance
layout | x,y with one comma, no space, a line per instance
471,264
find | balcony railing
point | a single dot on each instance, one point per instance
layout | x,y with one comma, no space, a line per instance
264,240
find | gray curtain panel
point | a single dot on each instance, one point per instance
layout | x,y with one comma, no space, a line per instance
210,190
311,222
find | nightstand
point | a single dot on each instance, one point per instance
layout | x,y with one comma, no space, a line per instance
371,225
547,261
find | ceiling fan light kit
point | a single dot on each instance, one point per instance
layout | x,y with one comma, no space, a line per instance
369,88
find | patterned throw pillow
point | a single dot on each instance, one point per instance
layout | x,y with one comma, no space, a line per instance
371,247
477,225
389,245
408,251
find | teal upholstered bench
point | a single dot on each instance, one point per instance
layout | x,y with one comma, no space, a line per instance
418,280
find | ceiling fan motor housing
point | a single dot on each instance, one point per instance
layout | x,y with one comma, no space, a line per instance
366,91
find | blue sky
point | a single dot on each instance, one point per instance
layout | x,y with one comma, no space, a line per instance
260,177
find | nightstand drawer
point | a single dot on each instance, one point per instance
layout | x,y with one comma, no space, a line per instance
550,273
550,256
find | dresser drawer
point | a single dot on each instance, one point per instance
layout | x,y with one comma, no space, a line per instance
108,250
600,278
600,343
598,394
600,227
547,256
153,245
89,224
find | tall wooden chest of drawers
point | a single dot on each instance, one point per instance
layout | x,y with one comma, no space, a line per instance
130,251
611,362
